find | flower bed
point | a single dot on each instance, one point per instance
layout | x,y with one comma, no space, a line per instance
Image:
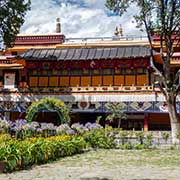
24,144
21,154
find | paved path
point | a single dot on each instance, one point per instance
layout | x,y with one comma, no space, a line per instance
104,165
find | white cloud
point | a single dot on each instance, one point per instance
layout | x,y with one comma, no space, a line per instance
83,18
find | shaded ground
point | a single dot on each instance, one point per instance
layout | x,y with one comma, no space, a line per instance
107,165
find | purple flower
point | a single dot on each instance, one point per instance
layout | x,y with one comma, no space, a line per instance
21,122
34,125
87,125
79,128
92,125
39,130
14,127
62,129
4,124
70,132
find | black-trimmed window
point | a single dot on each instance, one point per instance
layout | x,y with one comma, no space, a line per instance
107,71
118,71
129,71
55,72
76,72
64,72
34,72
141,71
96,71
49,72
44,72
86,72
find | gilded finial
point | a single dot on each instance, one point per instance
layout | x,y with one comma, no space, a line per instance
119,31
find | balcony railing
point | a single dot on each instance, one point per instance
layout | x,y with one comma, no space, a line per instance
103,39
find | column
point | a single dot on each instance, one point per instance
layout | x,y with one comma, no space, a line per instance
146,122
7,115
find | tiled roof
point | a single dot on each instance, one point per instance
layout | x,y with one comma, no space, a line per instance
86,53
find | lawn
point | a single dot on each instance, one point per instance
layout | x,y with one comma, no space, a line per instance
160,158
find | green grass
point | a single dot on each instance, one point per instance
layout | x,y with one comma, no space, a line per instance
161,158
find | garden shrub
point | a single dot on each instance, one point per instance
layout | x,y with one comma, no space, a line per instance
140,136
149,139
139,146
126,146
123,136
165,136
178,136
97,138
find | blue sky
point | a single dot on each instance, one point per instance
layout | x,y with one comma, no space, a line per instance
79,18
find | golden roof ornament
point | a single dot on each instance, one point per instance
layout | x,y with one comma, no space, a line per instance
119,31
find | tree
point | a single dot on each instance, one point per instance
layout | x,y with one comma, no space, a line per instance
12,14
162,16
116,113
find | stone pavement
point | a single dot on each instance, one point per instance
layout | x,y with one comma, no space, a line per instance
100,165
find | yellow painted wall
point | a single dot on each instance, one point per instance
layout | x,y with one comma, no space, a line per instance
43,81
85,80
96,80
107,80
53,81
33,81
142,80
118,80
64,81
75,81
129,80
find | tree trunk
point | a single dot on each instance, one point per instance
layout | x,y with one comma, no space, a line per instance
119,123
174,119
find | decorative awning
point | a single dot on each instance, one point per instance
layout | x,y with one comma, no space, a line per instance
11,66
175,60
86,53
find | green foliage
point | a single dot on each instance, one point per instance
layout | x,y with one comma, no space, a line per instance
178,135
50,104
12,14
165,136
139,146
126,146
163,16
149,139
140,136
98,119
159,18
99,139
124,136
23,154
116,113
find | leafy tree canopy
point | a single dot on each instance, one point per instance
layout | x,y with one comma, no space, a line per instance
12,14
162,17
116,113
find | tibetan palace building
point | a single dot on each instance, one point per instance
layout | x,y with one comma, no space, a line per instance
86,74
